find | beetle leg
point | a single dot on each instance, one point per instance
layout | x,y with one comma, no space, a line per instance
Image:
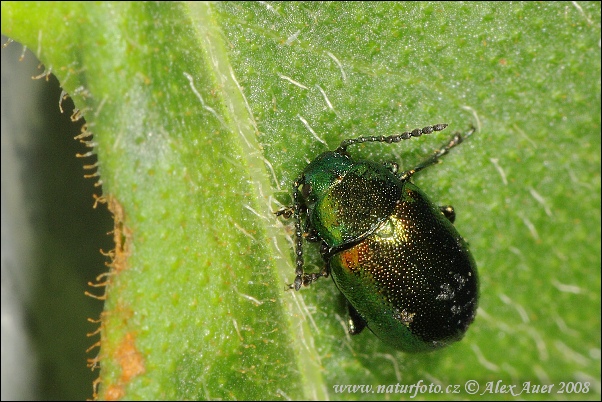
307,279
356,322
285,212
392,166
449,212
311,235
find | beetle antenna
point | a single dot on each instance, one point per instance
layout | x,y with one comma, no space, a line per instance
298,237
391,138
301,278
456,139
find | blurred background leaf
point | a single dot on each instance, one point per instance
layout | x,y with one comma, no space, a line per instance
202,116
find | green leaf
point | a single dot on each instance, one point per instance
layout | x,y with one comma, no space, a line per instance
203,114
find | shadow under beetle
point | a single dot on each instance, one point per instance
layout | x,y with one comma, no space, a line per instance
405,271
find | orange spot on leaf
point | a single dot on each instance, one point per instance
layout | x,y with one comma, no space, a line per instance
129,358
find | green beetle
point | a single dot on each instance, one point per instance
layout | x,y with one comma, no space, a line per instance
405,271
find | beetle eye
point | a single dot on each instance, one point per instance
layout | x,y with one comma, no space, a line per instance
305,190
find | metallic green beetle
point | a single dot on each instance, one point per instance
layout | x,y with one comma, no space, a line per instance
405,271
